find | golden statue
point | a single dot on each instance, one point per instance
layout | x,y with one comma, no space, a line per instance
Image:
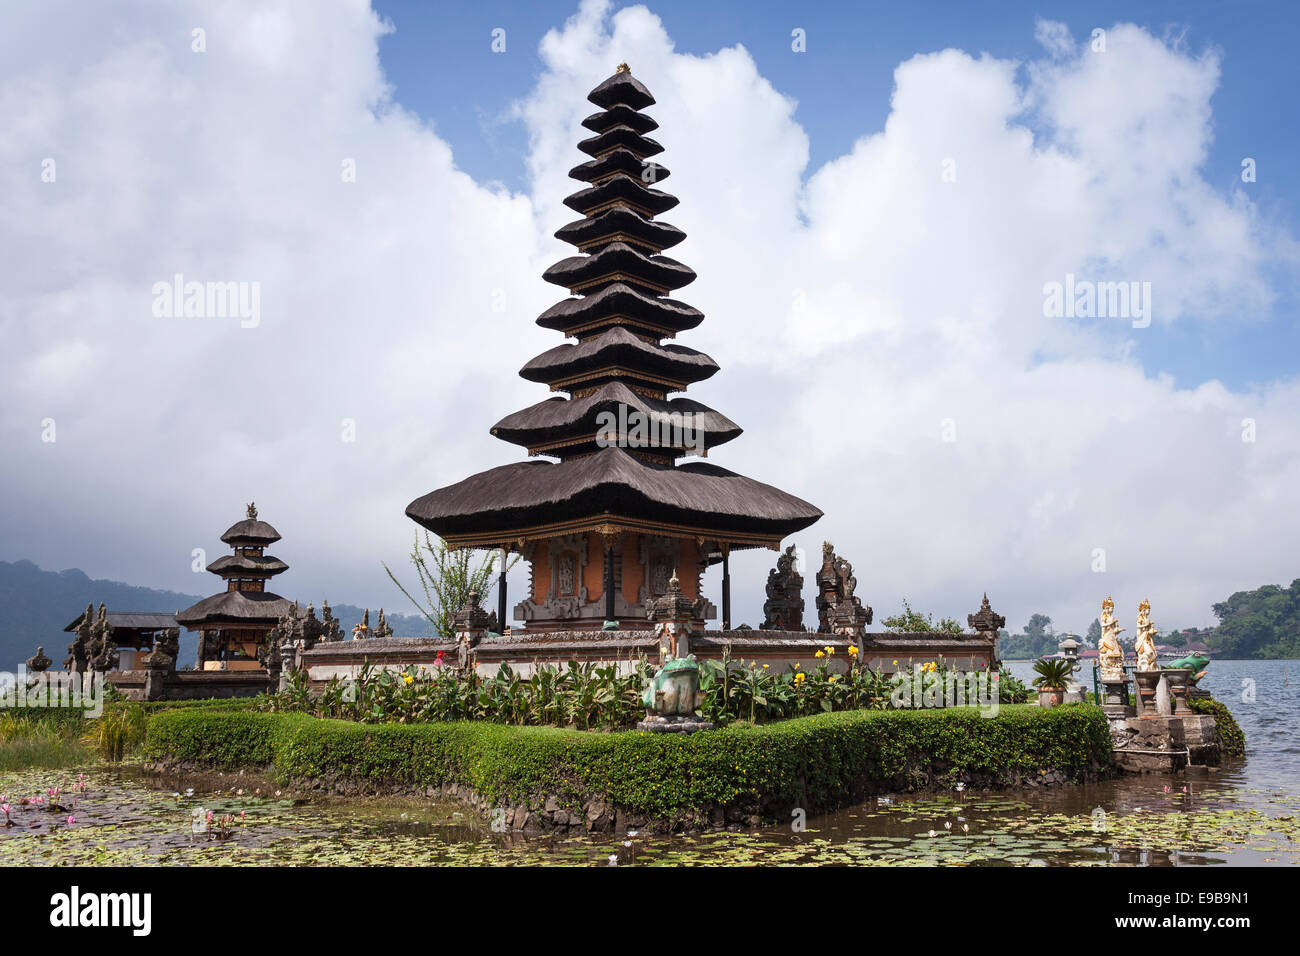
1110,653
1146,638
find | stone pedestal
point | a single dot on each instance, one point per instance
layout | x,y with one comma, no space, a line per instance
1179,679
1147,682
1115,698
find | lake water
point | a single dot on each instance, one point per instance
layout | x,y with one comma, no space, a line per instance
1247,812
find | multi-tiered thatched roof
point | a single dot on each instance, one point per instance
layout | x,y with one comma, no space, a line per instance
620,312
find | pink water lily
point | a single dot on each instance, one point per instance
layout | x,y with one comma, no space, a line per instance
71,820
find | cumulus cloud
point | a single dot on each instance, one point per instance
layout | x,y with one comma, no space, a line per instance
863,312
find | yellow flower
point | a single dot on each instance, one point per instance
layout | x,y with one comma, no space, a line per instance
829,649
819,654
765,666
853,650
798,678
833,678
408,678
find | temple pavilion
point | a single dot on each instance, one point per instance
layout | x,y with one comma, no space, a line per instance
605,525
234,622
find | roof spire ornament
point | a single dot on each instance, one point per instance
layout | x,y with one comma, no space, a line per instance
250,510
623,68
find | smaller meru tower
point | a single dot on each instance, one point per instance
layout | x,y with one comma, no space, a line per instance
606,525
234,622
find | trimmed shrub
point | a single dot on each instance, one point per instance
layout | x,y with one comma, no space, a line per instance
817,762
222,739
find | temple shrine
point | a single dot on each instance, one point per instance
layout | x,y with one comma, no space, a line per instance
234,623
606,525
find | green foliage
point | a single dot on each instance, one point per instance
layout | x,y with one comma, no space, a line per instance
1259,624
447,576
1011,689
816,762
38,737
222,739
1232,742
1052,675
1036,639
591,696
910,622
117,732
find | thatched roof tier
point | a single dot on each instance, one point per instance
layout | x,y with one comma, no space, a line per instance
620,262
247,564
619,161
620,224
621,137
613,490
620,116
565,419
621,89
236,608
620,304
621,189
568,366
250,532
130,621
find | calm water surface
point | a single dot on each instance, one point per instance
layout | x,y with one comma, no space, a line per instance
1247,812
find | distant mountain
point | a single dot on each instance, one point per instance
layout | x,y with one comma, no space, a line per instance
35,606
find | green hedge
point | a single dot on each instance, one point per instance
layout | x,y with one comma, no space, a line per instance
1232,742
814,762
223,739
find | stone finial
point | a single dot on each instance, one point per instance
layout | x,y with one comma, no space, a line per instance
985,619
39,662
250,510
623,68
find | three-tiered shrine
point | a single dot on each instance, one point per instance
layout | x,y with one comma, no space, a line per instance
234,622
605,527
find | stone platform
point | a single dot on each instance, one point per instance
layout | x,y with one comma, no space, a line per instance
1164,744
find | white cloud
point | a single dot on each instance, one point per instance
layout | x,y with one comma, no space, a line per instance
853,308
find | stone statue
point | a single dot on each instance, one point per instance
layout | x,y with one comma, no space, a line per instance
331,630
1110,653
383,629
1146,634
1194,662
79,649
783,609
103,652
675,690
839,610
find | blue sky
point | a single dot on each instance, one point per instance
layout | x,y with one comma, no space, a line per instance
440,63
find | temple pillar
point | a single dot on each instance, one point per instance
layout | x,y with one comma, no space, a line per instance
611,622
726,587
501,590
